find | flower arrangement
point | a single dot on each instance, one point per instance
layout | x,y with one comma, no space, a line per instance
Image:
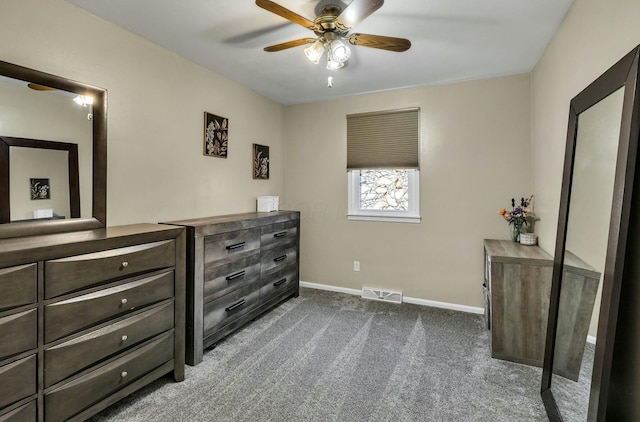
520,217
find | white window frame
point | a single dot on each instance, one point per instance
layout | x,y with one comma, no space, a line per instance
412,215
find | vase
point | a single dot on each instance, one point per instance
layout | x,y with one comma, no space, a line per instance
515,233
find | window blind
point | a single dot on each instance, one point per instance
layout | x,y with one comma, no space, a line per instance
384,139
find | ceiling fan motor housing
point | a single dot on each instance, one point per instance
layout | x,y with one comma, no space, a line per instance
326,21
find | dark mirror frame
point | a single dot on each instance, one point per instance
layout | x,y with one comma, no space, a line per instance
5,158
99,164
622,74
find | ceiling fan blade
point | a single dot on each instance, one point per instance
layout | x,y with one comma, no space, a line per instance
357,11
289,44
286,13
381,42
37,87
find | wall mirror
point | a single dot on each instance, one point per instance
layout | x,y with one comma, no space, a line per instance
42,117
599,169
39,180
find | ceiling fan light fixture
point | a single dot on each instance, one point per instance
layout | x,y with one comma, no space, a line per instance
315,51
339,51
331,63
83,100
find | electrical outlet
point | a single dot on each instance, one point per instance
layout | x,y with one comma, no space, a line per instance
356,265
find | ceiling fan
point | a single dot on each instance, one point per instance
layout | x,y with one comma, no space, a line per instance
331,27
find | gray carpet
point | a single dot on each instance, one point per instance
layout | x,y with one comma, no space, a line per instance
333,357
572,397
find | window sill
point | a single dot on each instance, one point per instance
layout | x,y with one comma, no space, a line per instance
386,219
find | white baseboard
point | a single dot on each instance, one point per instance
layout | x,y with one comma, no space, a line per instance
591,339
413,300
444,305
330,288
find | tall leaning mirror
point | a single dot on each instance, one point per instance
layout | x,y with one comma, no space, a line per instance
600,161
53,151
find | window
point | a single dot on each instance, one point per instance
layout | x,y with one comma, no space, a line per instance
384,195
382,164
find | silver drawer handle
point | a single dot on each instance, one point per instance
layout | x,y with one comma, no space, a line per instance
125,264
123,301
124,338
124,374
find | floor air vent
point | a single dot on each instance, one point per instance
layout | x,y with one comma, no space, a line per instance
382,295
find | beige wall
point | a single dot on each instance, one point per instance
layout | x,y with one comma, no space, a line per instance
594,35
474,159
156,170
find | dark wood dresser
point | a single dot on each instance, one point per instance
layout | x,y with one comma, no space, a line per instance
238,266
88,317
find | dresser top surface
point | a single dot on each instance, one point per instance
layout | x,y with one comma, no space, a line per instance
15,251
231,218
509,251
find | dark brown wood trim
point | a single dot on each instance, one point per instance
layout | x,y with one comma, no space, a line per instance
99,183
100,157
618,255
5,216
74,182
622,74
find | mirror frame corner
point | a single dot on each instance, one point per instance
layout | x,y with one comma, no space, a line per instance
99,161
622,74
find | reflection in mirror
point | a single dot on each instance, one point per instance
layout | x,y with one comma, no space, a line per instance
39,180
38,105
49,114
590,204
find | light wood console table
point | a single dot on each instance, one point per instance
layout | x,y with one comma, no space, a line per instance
517,290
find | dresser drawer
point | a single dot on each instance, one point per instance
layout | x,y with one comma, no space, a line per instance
18,286
277,258
79,394
18,333
25,413
279,234
278,282
223,279
70,357
229,308
17,380
72,315
74,273
233,245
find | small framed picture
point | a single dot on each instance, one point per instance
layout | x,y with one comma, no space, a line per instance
216,135
260,161
40,189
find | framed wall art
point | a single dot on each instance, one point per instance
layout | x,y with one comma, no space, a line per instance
260,161
40,189
216,135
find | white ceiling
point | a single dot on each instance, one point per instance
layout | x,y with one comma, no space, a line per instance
452,40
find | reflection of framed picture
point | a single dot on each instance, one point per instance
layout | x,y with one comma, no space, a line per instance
216,135
40,189
260,161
